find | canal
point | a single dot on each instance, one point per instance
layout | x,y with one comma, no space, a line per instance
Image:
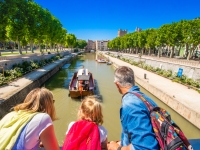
67,108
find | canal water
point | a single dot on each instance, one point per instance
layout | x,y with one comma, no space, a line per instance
67,108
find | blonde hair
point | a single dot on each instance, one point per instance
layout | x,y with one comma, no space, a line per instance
91,110
38,100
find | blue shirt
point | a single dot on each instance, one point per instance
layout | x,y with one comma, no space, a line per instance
136,124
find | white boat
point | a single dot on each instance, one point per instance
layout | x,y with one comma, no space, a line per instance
92,51
101,61
109,63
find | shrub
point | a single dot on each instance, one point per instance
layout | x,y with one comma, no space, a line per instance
167,73
2,79
34,64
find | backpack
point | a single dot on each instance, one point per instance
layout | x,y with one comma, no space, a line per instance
83,135
168,134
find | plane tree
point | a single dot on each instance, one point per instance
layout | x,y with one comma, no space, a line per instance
193,36
151,35
33,21
70,40
190,33
141,40
81,44
26,22
17,23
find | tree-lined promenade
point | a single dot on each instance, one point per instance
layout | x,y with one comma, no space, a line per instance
185,33
24,22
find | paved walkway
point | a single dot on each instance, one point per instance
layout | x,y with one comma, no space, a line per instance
180,93
15,86
185,62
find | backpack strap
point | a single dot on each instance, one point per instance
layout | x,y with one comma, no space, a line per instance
149,105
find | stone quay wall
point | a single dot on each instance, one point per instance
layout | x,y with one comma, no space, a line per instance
190,69
7,62
35,79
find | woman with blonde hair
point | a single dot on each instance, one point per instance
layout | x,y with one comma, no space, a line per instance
90,118
30,123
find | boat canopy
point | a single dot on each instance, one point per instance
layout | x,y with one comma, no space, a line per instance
83,77
82,72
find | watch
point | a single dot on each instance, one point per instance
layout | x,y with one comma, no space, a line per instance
119,148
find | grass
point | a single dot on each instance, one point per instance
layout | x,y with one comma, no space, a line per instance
13,53
16,52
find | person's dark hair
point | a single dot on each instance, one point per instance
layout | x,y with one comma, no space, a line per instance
124,76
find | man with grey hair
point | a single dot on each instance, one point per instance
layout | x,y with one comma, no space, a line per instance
137,132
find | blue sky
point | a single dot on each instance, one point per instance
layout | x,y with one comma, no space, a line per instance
101,19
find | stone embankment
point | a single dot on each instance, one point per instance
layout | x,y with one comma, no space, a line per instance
7,62
184,101
15,92
191,69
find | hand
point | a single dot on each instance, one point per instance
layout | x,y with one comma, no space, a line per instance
41,145
104,145
112,145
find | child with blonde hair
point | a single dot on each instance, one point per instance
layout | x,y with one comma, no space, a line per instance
90,118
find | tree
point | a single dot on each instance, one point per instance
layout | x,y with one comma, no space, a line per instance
71,40
81,44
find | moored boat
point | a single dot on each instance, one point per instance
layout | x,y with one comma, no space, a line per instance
92,51
101,61
109,63
82,84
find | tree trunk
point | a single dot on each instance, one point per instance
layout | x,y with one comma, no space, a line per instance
159,52
179,50
172,52
142,51
31,46
188,57
46,47
186,51
19,47
40,47
149,52
136,51
50,46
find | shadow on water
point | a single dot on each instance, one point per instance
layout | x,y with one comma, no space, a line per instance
97,91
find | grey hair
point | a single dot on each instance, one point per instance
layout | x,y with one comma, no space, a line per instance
124,76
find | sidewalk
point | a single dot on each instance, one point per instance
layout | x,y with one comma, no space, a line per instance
183,100
191,63
19,84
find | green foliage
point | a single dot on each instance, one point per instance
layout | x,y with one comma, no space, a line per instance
81,44
167,73
34,64
2,79
23,68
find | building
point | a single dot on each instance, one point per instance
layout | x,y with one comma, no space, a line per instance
102,45
121,32
138,29
91,45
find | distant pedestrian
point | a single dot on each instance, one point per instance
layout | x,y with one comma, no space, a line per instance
30,124
137,132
